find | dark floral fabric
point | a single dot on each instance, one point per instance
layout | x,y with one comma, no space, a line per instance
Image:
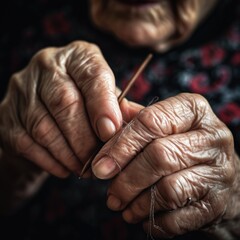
208,64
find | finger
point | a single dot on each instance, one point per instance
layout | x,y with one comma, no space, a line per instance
163,157
43,129
175,115
200,214
24,110
32,151
96,82
65,104
174,191
129,109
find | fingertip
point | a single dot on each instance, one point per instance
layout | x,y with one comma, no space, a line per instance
105,168
128,216
114,203
105,128
62,173
105,116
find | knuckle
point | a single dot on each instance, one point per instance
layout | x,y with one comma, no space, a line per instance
65,98
62,97
93,47
196,102
89,68
42,58
173,191
226,137
194,98
77,44
157,156
41,130
22,143
83,53
228,173
16,81
83,46
152,122
97,80
94,69
15,78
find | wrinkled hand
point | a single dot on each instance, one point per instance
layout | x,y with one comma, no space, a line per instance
57,107
181,149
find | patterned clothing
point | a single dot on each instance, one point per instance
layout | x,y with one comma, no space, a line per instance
208,64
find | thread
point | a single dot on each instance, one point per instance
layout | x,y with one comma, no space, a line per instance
152,223
120,98
127,126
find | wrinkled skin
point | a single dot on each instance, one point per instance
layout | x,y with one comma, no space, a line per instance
182,149
51,121
50,111
51,117
158,24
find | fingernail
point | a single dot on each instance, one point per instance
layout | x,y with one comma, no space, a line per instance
106,129
113,202
104,167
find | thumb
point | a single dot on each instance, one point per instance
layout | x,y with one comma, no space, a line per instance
96,82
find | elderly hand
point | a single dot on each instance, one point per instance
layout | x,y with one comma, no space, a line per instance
57,107
185,154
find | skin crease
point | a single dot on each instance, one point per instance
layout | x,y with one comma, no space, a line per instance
181,153
40,117
159,25
48,113
200,170
183,150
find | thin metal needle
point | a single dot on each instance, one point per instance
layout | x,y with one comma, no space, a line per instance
134,77
120,98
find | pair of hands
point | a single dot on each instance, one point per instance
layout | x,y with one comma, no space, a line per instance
65,100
